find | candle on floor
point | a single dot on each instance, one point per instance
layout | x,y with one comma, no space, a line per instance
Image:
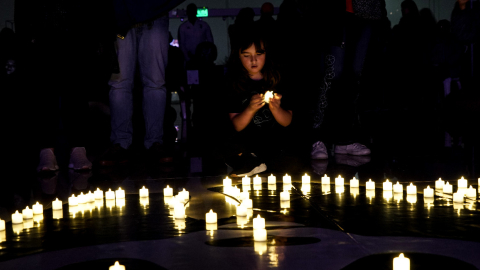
241,210
370,193
81,198
428,192
117,266
439,184
120,203
56,205
287,179
285,204
246,187
227,182
17,218
370,185
258,223
185,195
354,183
462,183
272,179
339,189
211,227
120,193
211,217
57,214
143,192
2,225
144,201
412,198
387,185
257,187
306,188
354,191
72,201
272,186
90,197
246,181
37,209
339,181
411,189
306,179
401,263
98,194
179,211
110,195
471,193
447,188
398,188
168,191
235,192
244,195
325,180
398,196
325,188
284,196
173,201
248,203
17,227
387,195
257,180
458,197
260,235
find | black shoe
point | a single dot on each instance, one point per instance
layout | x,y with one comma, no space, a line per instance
114,155
245,165
158,153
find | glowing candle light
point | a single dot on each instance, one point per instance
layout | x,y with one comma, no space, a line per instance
447,188
370,185
143,192
287,186
398,188
284,196
257,187
260,235
458,197
57,214
339,181
17,218
168,191
370,193
173,201
260,247
144,201
387,185
211,217
241,210
355,191
37,209
120,203
354,183
120,193
462,183
73,201
98,194
81,198
268,95
306,188
258,223
428,192
3,236
387,195
2,225
339,189
184,195
179,211
248,203
257,180
398,196
412,198
117,266
227,182
401,263
471,193
110,195
325,180
211,227
285,204
244,195
439,184
411,189
246,181
272,187
242,220
287,179
272,179
56,205
325,188
306,179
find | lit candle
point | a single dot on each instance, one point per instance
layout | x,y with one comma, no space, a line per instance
325,180
272,179
120,193
305,188
37,209
17,218
268,95
57,214
246,181
398,188
257,180
257,187
428,192
235,192
144,201
73,201
120,202
56,205
354,183
168,191
387,194
447,188
370,184
272,187
98,194
180,224
242,220
248,203
211,217
471,193
287,186
258,223
110,194
458,197
260,235
412,198
3,236
143,192
411,189
370,193
287,179
185,195
227,182
306,179
397,196
81,198
244,195
179,211
117,266
211,227
2,225
439,184
387,185
339,181
284,196
462,183
285,204
241,210
339,189
401,263
325,188
246,187
90,197
173,201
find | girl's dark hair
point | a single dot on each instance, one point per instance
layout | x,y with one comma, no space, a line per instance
237,75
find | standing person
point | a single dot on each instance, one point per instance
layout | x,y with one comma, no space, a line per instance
193,32
260,121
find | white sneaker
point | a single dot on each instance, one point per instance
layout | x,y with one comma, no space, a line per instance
48,161
355,149
79,160
319,151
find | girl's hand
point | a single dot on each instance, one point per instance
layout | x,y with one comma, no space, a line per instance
256,102
274,103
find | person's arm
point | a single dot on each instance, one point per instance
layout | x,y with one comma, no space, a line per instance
282,116
209,34
241,120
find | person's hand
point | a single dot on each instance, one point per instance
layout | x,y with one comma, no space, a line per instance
256,102
275,102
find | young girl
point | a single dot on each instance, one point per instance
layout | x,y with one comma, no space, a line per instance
260,122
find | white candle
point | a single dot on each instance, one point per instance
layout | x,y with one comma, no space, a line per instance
246,181
248,203
173,201
120,193
387,185
110,195
117,266
37,209
257,180
241,210
260,235
81,198
184,195
387,194
211,226
211,217
17,218
2,225
462,183
258,223
401,263
90,196
411,189
179,211
287,179
143,192
458,197
428,192
439,184
370,184
339,181
398,188
306,179
268,95
227,182
471,193
56,205
272,179
73,201
168,191
325,180
98,194
120,202
447,188
306,188
257,187
354,183
284,196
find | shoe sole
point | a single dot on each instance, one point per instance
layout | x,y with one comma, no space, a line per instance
260,168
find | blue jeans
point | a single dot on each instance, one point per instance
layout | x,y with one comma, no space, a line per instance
146,45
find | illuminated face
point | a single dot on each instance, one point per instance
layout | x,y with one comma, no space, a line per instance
10,66
253,61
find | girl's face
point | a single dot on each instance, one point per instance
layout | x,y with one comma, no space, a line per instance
253,61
